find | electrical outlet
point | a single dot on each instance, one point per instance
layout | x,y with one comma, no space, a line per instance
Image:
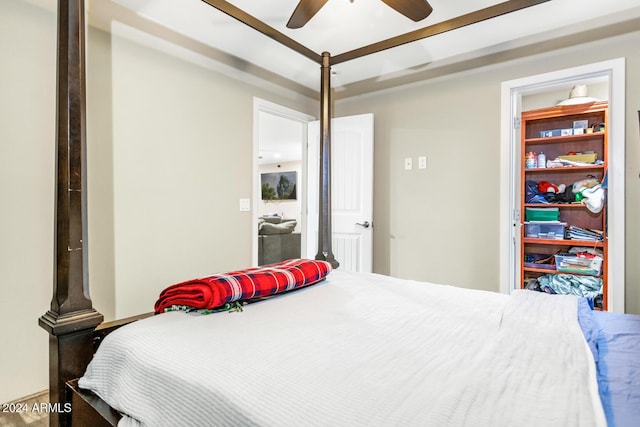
408,163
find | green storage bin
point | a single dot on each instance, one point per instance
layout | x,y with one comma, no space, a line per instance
541,214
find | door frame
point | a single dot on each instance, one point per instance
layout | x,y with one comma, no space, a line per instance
511,96
264,106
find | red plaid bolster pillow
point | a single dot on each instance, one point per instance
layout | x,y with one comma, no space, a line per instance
217,290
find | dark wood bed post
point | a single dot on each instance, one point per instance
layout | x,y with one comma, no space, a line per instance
324,198
71,319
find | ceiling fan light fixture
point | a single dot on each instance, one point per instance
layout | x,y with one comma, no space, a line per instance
304,11
416,10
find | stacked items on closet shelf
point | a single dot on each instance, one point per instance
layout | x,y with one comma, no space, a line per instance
563,238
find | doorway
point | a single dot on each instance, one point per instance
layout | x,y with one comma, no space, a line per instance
613,73
280,152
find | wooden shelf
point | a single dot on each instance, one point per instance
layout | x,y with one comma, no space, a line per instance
547,271
555,205
564,169
564,242
561,139
563,117
539,270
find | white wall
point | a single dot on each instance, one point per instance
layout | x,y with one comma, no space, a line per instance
169,156
182,147
27,150
441,224
436,224
178,174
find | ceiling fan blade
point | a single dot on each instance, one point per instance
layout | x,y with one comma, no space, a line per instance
304,12
415,10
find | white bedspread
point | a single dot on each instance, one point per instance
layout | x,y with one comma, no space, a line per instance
357,350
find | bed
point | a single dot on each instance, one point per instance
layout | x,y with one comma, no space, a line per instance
359,349
430,354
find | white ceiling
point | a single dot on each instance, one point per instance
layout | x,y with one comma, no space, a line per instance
341,26
203,34
280,139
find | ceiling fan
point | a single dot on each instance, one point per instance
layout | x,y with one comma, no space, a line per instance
412,9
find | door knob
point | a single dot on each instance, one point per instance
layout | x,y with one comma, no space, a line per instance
363,224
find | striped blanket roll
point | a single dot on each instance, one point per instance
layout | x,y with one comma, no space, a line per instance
215,291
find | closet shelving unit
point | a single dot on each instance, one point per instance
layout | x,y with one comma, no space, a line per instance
534,122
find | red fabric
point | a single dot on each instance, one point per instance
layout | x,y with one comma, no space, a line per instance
219,289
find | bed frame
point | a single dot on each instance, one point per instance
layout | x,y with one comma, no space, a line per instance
75,328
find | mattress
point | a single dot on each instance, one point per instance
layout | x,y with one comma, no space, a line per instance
357,350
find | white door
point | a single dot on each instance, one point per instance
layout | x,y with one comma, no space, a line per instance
351,191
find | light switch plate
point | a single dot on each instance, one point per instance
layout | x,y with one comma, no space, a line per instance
408,163
245,205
